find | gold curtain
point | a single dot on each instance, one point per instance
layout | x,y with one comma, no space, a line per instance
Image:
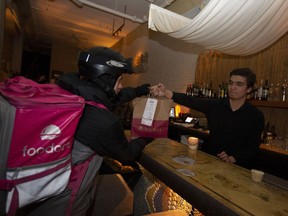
270,64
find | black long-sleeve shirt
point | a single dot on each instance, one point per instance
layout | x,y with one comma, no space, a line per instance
100,128
238,133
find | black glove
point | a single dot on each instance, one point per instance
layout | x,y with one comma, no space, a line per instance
142,90
147,139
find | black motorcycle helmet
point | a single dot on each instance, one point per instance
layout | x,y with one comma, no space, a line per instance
103,66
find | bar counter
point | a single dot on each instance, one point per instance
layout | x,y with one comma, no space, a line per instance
212,186
272,159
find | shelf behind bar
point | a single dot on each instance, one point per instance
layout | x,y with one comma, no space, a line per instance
272,104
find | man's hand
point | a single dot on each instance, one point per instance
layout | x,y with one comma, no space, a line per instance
228,159
160,90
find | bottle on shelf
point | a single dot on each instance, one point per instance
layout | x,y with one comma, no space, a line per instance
188,90
195,90
192,90
254,93
265,93
200,90
271,93
222,90
260,91
210,90
219,91
277,92
284,90
204,88
225,90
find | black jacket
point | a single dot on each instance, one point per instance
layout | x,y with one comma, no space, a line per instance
100,128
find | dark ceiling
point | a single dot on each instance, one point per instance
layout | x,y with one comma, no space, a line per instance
77,24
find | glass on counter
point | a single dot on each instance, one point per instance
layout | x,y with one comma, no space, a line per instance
268,139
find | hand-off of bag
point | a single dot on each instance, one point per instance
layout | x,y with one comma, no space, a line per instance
142,90
160,124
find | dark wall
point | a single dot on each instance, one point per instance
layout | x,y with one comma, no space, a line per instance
35,66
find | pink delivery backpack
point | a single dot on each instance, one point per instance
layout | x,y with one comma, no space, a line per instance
37,126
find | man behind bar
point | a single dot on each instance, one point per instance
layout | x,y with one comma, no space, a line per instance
235,125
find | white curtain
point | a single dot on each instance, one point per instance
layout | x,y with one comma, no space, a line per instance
236,27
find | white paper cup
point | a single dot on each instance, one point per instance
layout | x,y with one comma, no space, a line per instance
193,143
193,147
257,175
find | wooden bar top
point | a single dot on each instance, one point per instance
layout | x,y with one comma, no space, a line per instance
214,187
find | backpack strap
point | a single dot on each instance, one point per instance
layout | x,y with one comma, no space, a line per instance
79,170
77,175
99,105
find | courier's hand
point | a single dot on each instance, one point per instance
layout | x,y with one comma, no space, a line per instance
147,140
228,159
142,90
160,90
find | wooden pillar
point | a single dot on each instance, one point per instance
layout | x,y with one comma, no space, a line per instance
2,27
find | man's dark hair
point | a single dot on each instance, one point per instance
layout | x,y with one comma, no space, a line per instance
245,72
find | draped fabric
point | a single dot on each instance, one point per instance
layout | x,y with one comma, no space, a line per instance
235,27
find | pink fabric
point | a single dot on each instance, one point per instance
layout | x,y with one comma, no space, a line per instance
158,129
22,92
42,135
45,121
99,105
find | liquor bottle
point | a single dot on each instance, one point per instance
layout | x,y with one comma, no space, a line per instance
226,90
210,90
200,90
271,93
203,88
219,91
222,90
265,91
284,90
277,92
188,90
192,90
260,91
196,91
255,91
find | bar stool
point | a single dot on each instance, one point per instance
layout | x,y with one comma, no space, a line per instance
113,197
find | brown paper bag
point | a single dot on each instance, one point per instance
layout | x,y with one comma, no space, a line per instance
159,127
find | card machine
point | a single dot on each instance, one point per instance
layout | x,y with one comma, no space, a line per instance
191,120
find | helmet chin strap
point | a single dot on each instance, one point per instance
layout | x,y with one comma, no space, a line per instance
112,94
105,87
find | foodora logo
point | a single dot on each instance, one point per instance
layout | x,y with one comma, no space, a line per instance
48,133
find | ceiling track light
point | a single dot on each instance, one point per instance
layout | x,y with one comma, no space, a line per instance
116,33
118,30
